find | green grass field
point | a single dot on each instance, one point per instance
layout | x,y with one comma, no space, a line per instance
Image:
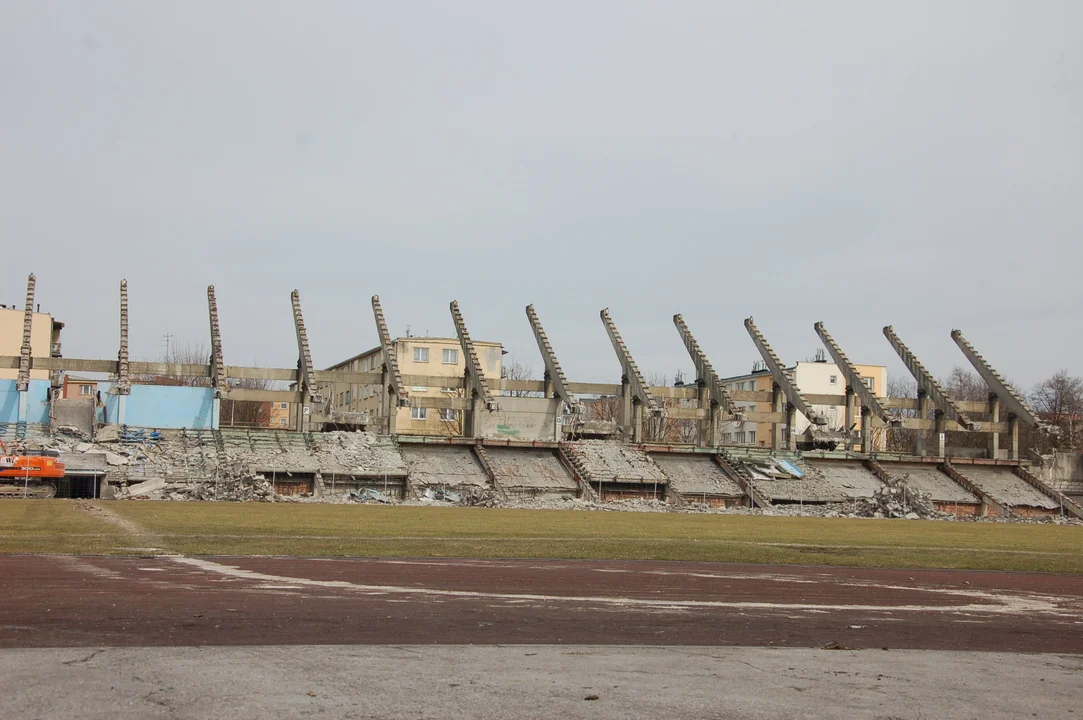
350,530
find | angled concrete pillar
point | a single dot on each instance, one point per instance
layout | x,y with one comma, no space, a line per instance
393,394
778,405
22,383
476,386
123,386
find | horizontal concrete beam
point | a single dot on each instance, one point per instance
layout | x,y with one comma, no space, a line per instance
683,392
763,396
249,395
237,372
594,388
900,403
347,378
518,385
765,417
972,406
169,369
440,403
686,413
924,424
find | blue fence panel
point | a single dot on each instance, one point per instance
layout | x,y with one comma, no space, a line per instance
37,397
162,406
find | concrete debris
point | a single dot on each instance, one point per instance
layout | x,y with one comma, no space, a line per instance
115,459
83,447
441,495
107,434
71,431
897,502
368,495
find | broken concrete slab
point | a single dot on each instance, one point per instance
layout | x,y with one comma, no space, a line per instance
926,479
1005,487
115,459
696,475
529,469
146,488
444,467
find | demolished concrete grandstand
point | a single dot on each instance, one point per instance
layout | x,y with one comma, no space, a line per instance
531,442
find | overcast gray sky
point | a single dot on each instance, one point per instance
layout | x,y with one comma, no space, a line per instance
860,163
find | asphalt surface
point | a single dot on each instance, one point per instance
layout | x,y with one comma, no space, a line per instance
524,681
64,601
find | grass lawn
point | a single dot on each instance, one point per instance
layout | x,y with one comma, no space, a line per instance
343,530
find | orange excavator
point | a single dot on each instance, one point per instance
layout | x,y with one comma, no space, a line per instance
32,473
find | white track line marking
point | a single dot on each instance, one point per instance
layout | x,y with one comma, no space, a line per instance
1000,604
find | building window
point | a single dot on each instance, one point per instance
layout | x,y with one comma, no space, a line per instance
833,380
449,415
283,421
285,406
752,437
868,382
418,413
451,356
447,389
85,389
349,396
421,354
420,388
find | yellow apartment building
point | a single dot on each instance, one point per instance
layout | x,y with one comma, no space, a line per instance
44,339
813,378
434,357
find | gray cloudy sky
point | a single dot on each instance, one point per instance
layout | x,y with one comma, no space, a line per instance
861,163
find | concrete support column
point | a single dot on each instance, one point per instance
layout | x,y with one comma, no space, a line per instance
216,413
24,405
1013,452
851,407
923,413
477,407
791,437
122,409
776,428
941,435
994,416
389,404
703,402
627,422
637,423
866,431
712,425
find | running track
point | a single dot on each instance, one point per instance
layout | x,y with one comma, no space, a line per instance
64,601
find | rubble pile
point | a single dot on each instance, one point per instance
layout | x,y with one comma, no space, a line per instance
897,501
255,488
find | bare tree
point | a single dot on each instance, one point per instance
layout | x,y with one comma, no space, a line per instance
518,371
1059,400
897,439
962,384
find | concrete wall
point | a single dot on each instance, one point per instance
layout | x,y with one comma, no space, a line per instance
74,412
521,419
163,406
1065,473
11,339
37,402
